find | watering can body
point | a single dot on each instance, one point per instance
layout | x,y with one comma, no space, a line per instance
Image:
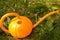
20,27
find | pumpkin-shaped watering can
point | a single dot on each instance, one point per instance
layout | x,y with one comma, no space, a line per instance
21,26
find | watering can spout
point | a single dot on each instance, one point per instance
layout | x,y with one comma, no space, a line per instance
44,17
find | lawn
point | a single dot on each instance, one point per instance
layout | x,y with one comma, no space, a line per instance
49,29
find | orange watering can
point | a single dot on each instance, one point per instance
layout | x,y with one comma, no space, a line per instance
21,26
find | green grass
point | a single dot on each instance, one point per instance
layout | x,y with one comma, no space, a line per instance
49,29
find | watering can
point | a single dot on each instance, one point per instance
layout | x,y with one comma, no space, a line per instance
21,26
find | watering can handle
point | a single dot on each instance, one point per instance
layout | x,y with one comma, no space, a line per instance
4,17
